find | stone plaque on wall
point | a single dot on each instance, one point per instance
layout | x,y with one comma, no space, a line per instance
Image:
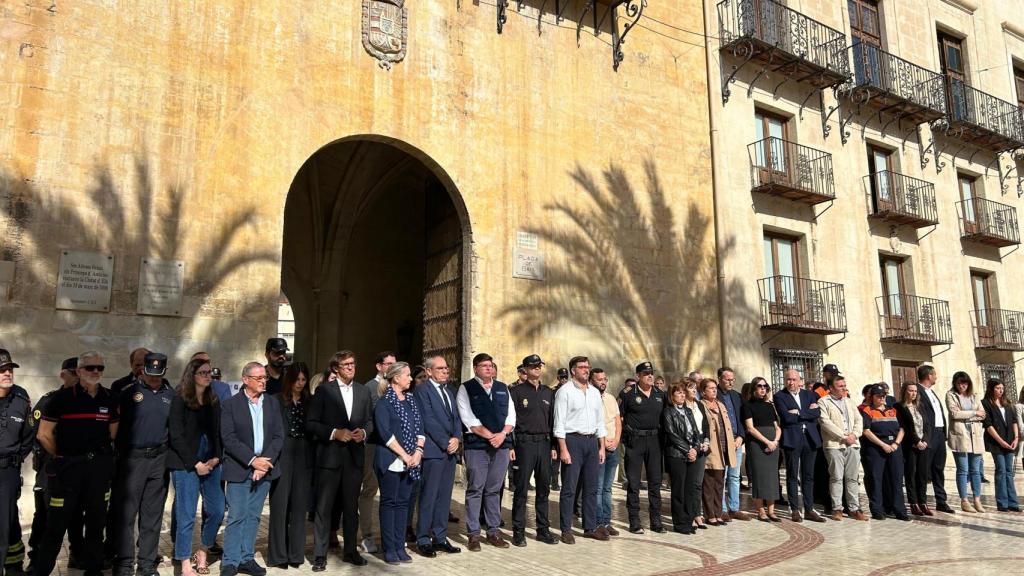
161,283
84,281
527,259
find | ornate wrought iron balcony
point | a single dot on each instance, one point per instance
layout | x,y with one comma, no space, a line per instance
782,168
982,119
909,319
784,41
988,222
901,199
802,305
996,329
891,84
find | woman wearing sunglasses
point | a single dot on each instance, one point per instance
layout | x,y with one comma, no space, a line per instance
762,425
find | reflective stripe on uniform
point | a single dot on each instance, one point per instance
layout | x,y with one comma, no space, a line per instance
56,502
106,496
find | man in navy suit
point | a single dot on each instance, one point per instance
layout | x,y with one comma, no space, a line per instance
798,411
252,432
443,428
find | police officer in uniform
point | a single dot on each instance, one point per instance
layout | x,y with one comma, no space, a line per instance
881,442
76,430
68,378
277,360
556,464
641,420
16,435
141,482
533,450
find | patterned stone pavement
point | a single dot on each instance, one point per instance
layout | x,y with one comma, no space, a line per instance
962,544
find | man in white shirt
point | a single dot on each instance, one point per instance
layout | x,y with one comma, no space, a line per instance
936,451
486,409
580,430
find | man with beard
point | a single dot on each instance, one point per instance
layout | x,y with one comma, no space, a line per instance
608,470
137,360
732,400
277,358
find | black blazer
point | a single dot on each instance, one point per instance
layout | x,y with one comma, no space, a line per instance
737,402
327,412
677,443
910,438
186,426
1002,419
308,443
793,424
928,413
236,434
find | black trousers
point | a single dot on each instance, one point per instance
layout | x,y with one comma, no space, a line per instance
800,474
687,480
142,486
77,482
643,451
10,486
885,470
533,459
937,464
916,475
289,496
584,452
341,485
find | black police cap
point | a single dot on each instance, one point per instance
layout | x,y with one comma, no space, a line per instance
563,373
5,359
155,364
533,360
644,367
830,369
70,364
277,345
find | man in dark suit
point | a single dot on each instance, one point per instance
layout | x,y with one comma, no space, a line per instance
443,428
252,433
340,419
798,411
935,455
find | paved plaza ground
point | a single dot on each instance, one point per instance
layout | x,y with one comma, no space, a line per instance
956,544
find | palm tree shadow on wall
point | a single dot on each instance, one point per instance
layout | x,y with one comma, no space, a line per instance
132,224
623,271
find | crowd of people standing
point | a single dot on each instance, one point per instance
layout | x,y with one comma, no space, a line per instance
322,446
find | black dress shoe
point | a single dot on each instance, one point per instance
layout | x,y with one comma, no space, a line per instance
252,569
216,550
519,540
447,547
1001,508
659,529
636,530
547,537
226,570
295,564
354,558
319,564
902,516
877,516
427,551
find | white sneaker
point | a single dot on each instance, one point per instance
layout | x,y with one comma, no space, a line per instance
369,546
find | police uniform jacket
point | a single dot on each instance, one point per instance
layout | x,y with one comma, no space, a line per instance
83,421
641,413
144,414
535,411
39,455
16,431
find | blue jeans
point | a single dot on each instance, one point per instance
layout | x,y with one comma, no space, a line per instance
395,489
245,505
968,465
605,477
187,487
1006,493
731,495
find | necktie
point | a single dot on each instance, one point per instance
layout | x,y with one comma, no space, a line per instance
444,398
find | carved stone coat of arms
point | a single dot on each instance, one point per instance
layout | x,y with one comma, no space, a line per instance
385,30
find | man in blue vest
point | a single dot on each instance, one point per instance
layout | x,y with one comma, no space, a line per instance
485,407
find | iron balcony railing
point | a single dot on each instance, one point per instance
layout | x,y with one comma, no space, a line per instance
898,84
996,329
775,25
989,121
783,168
802,305
988,222
910,319
902,199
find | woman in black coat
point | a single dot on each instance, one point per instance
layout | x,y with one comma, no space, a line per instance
917,431
289,494
1001,438
194,462
685,426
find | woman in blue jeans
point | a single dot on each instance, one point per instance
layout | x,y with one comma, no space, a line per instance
965,434
194,462
1001,438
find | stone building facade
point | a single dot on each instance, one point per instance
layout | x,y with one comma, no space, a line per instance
265,148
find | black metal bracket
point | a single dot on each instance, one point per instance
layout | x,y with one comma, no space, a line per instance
800,112
948,348
939,164
956,154
844,134
925,149
1004,177
906,136
825,128
634,10
897,118
777,334
819,214
744,49
587,7
836,342
502,6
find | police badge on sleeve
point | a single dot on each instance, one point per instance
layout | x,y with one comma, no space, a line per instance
385,30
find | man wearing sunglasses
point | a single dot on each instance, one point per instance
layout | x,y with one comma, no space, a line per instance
15,445
76,429
140,486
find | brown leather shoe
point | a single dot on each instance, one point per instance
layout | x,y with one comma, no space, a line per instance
837,515
568,538
813,516
739,515
796,516
598,534
474,544
611,530
858,515
497,540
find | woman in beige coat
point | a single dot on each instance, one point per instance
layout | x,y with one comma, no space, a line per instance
723,452
966,438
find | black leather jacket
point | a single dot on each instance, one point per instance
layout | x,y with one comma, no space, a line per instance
674,425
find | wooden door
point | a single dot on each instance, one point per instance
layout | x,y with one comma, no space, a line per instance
772,157
893,291
442,298
782,264
902,371
880,167
951,59
985,325
969,205
866,33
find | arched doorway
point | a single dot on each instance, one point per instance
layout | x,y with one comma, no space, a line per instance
373,256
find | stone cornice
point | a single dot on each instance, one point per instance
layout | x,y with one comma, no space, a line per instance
969,6
1013,29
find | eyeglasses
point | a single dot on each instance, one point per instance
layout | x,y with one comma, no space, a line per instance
760,386
94,368
257,378
347,364
204,372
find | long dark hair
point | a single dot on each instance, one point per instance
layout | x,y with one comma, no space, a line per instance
990,393
963,377
187,387
291,376
750,387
